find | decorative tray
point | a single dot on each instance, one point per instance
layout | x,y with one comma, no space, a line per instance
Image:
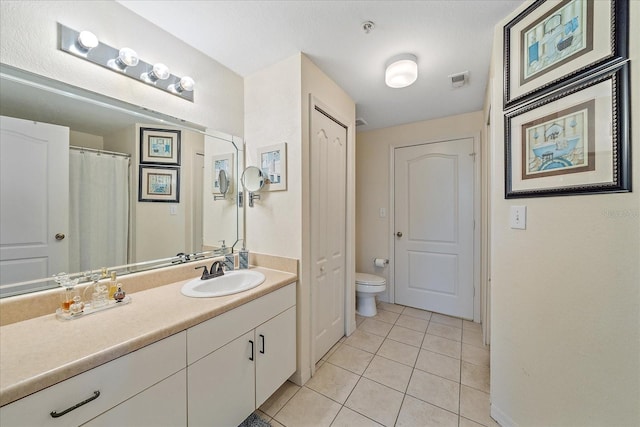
88,309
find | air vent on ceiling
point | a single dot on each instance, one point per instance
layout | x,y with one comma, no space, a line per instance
361,122
460,79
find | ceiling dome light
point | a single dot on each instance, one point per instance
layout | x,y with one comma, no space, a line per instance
402,71
87,41
127,58
185,84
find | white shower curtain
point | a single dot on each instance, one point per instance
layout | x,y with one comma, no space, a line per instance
99,210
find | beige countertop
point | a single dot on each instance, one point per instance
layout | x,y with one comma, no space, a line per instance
40,352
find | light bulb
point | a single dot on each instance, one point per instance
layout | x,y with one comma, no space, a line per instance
185,84
159,72
87,41
127,58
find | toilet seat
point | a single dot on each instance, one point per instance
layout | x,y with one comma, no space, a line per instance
369,279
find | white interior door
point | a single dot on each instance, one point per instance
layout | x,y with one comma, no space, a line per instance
34,205
434,215
328,230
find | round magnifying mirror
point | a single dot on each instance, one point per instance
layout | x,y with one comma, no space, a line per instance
223,181
252,179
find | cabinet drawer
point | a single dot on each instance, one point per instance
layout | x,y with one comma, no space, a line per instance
116,381
208,336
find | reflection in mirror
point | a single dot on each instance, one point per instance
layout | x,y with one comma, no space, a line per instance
224,183
69,186
252,179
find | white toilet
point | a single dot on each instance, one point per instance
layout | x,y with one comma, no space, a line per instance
367,287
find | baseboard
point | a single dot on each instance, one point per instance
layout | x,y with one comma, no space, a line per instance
501,418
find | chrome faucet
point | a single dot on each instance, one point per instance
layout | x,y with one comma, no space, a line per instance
216,270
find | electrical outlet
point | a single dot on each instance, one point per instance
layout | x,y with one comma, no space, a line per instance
518,217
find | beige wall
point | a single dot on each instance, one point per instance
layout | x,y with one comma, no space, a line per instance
159,233
373,161
277,110
565,339
82,139
272,116
28,30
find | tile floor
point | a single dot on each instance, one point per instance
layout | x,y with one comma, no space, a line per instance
403,367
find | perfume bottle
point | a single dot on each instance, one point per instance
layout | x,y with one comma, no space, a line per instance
113,285
68,286
77,307
119,294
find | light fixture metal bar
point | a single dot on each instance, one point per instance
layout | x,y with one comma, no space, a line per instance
105,55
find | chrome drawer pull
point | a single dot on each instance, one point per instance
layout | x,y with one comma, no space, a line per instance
55,414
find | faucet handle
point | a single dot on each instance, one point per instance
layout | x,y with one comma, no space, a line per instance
205,272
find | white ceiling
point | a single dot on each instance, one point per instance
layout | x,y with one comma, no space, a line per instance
447,36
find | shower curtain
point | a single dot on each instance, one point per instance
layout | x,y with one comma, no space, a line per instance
99,210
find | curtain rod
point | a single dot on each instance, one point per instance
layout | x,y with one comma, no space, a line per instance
94,150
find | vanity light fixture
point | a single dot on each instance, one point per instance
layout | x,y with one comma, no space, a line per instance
158,72
127,57
86,41
401,71
185,83
124,61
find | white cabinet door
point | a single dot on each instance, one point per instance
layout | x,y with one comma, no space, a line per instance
162,405
275,353
221,385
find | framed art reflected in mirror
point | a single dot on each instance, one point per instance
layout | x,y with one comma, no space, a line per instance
159,146
159,184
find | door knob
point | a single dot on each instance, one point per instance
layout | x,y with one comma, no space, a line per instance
399,234
60,236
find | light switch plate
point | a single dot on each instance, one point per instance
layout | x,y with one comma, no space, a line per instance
173,210
518,217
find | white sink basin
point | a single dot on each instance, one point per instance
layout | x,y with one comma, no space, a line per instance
231,283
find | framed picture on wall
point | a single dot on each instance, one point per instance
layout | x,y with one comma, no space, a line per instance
159,184
572,142
273,164
159,146
552,44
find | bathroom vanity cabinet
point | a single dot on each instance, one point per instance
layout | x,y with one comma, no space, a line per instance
213,373
231,372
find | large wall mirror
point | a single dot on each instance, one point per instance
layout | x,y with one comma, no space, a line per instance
90,182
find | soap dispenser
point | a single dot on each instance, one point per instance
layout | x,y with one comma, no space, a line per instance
229,259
